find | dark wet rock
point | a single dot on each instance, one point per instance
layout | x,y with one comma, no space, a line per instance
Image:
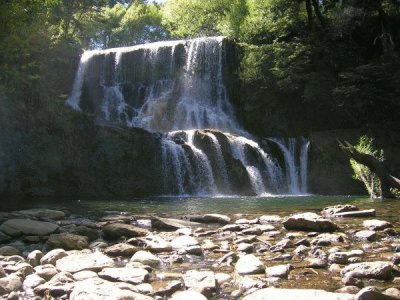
281,271
201,281
249,264
366,235
185,295
4,237
83,261
52,256
100,289
129,275
9,284
46,271
309,222
121,249
371,293
34,257
17,227
146,258
375,270
296,294
118,230
91,233
31,281
343,257
211,218
156,244
9,251
270,219
67,241
331,211
42,213
376,225
356,214
171,224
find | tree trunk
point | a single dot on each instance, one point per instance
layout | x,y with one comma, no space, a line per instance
318,12
375,165
309,13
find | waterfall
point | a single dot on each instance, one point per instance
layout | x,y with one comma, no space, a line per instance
178,88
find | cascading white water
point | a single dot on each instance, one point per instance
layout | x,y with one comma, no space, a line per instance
177,88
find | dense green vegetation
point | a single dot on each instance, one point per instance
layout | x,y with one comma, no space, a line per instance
305,66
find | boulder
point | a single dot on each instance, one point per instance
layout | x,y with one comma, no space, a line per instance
267,219
201,281
331,211
31,281
309,222
376,225
59,286
183,241
366,235
52,256
99,289
371,293
249,264
165,289
83,275
146,258
171,224
185,295
67,241
296,294
129,275
156,244
118,230
9,284
90,233
46,271
343,257
9,251
16,227
43,213
356,214
34,257
375,270
121,249
2,272
281,271
211,218
82,261
326,239
4,237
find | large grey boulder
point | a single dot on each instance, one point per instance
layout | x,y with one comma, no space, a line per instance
67,241
249,264
82,261
99,289
16,227
118,230
309,222
371,293
121,249
52,256
375,270
296,294
129,274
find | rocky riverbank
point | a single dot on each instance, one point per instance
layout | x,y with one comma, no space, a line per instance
341,253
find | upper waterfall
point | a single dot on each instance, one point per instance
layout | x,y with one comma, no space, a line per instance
164,86
179,88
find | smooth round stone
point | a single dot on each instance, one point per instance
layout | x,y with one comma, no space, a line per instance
9,251
186,295
52,256
249,264
34,257
82,275
146,258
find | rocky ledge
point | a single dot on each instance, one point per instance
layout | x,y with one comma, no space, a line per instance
47,254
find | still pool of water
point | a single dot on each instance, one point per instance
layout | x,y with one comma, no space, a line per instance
178,206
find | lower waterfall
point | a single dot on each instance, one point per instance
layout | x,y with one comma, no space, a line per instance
178,88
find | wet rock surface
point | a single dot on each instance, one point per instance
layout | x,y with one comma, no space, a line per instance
302,256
